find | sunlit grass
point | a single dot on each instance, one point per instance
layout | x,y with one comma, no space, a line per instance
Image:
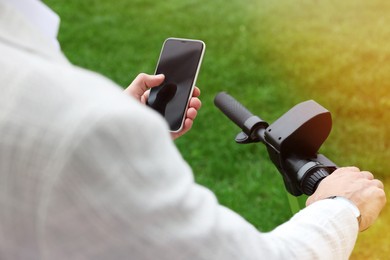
338,53
270,55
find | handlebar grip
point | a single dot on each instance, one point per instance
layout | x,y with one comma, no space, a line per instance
232,108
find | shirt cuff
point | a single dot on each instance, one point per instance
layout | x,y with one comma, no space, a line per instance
349,204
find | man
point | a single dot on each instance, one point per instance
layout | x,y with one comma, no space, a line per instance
87,172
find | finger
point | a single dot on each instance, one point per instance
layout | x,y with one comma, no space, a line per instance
351,169
347,169
145,97
196,92
191,113
195,103
186,127
377,183
367,175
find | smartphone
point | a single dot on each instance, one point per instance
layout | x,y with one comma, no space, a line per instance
179,61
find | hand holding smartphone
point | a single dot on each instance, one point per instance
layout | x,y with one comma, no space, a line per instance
179,61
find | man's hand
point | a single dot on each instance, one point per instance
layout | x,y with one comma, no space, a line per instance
360,187
140,89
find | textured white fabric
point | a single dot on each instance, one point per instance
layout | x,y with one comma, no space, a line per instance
39,15
88,173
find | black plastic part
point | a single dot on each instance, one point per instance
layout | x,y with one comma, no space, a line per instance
301,130
243,138
292,141
312,179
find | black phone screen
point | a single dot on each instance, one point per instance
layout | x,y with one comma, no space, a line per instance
179,61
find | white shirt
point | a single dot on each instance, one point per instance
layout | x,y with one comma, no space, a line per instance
40,17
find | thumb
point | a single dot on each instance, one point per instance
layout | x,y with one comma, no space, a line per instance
142,83
151,81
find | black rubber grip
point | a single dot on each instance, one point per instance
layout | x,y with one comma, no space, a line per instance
232,108
310,184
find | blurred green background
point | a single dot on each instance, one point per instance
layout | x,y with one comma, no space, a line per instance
270,55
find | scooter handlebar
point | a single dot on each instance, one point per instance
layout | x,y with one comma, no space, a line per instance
233,109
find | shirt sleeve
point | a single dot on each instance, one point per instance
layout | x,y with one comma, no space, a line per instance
126,193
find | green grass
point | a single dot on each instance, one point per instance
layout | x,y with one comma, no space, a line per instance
270,55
